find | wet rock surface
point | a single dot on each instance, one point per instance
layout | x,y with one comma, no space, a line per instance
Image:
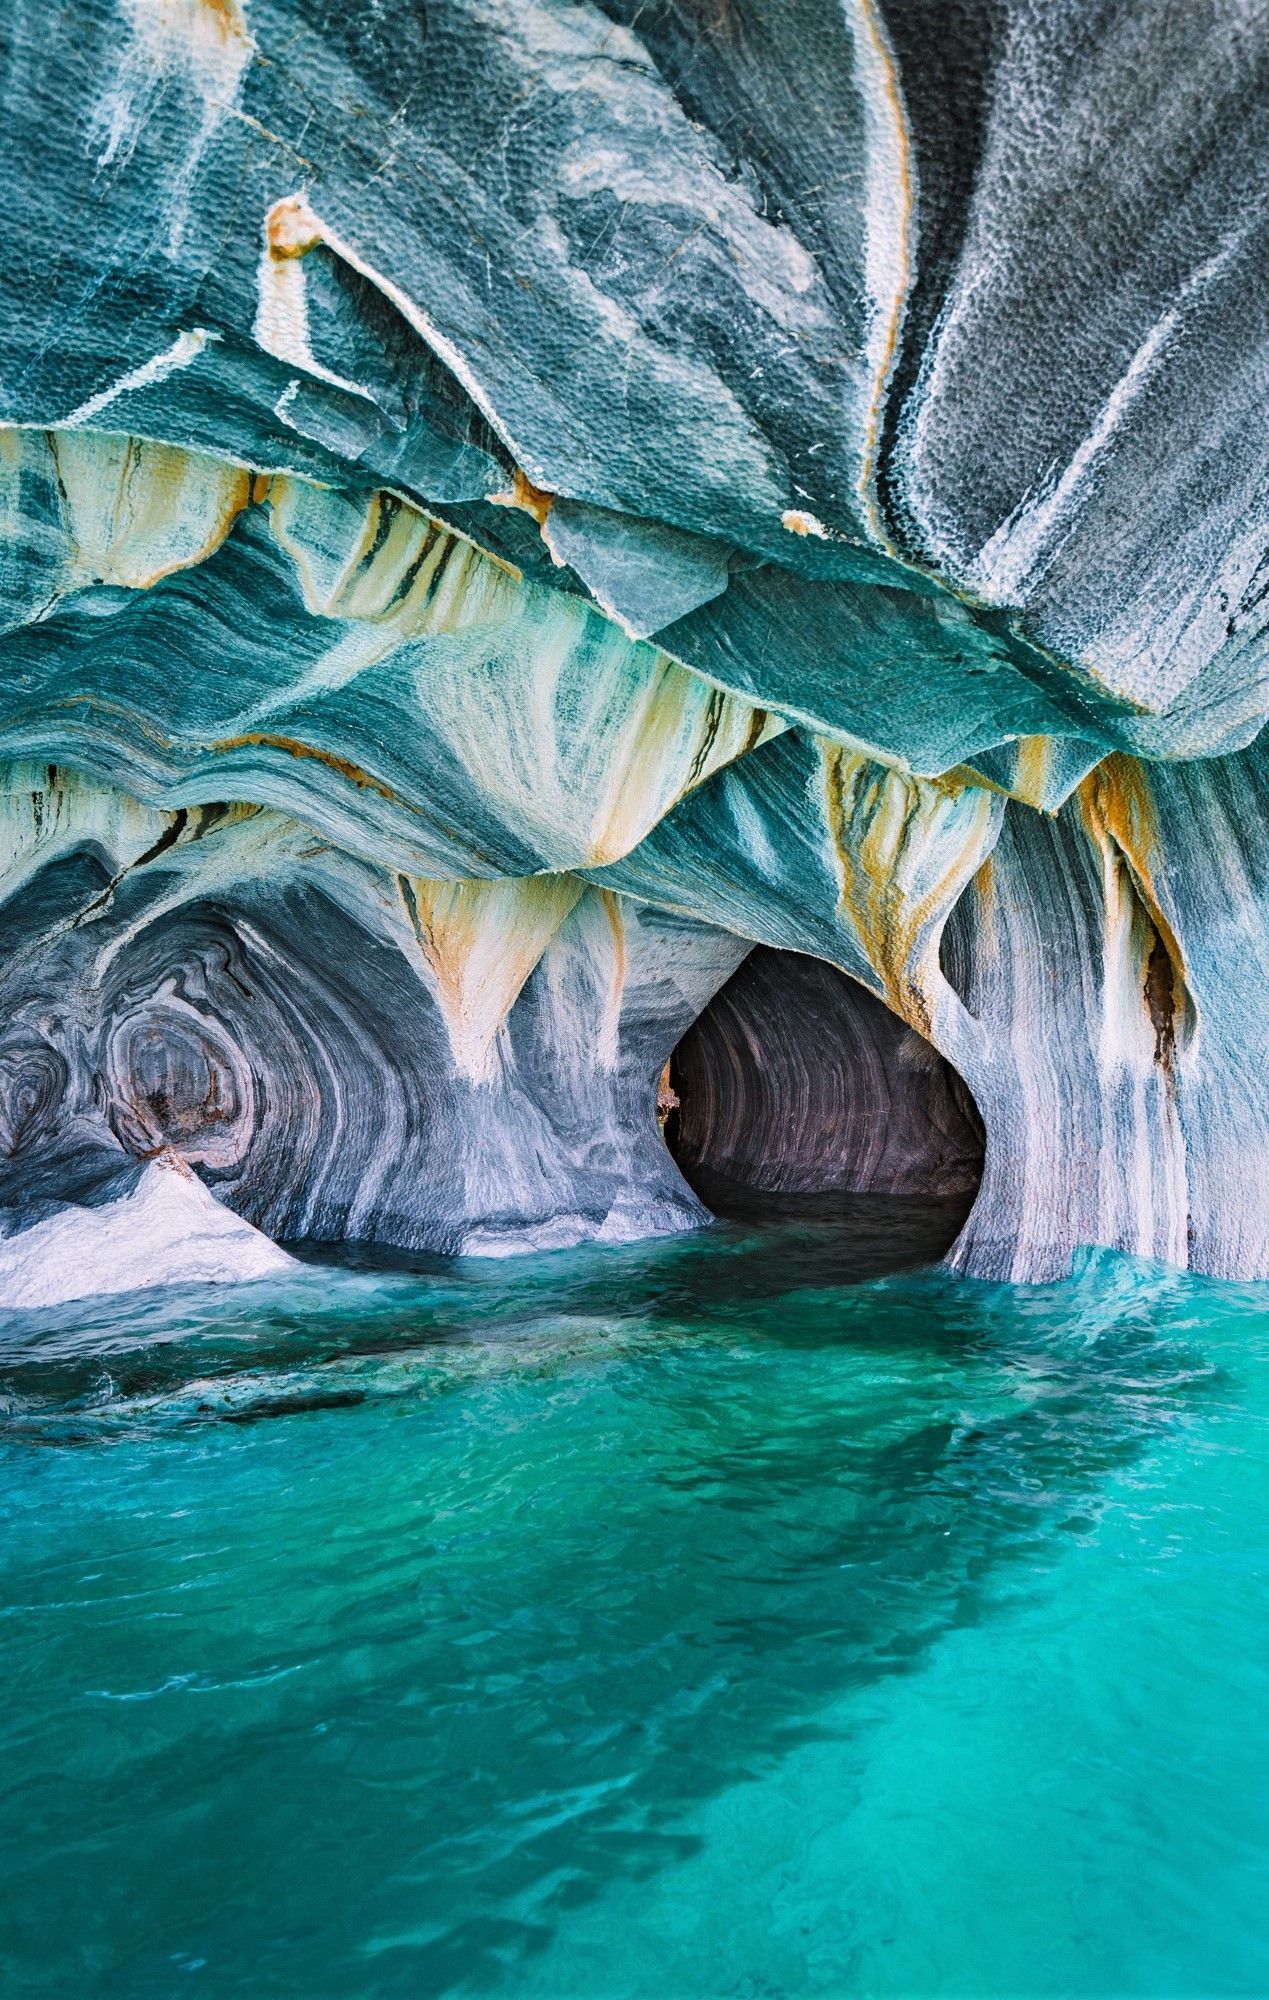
504,509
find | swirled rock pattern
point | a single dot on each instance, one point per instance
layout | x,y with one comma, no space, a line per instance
795,1079
311,1040
506,507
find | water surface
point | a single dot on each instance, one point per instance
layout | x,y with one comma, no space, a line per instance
707,1618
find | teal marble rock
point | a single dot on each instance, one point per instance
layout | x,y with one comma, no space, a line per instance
505,508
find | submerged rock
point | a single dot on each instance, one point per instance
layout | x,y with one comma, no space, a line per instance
504,508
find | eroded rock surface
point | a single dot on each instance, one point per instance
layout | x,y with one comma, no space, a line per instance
506,507
797,1081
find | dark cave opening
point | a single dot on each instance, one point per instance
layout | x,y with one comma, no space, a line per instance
798,1095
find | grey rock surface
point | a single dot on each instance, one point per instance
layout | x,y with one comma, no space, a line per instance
506,505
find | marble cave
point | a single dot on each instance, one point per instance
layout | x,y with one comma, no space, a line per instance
604,599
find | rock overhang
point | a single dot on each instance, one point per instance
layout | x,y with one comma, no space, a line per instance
490,448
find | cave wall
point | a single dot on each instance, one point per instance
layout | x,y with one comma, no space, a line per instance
341,1054
796,1079
504,508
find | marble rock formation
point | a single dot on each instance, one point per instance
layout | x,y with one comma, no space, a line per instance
507,505
796,1080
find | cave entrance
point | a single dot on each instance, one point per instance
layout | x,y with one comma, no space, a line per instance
797,1094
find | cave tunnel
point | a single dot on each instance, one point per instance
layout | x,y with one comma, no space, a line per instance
797,1093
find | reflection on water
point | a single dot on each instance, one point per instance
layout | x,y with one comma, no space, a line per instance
414,1633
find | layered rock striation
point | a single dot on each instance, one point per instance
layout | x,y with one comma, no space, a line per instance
506,508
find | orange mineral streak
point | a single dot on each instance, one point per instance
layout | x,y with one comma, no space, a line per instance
228,16
445,927
799,522
481,941
879,818
884,802
1031,771
291,229
1117,808
611,904
529,498
288,744
237,500
1116,804
134,542
985,887
668,1099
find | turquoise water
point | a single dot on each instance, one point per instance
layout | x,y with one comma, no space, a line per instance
697,1619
